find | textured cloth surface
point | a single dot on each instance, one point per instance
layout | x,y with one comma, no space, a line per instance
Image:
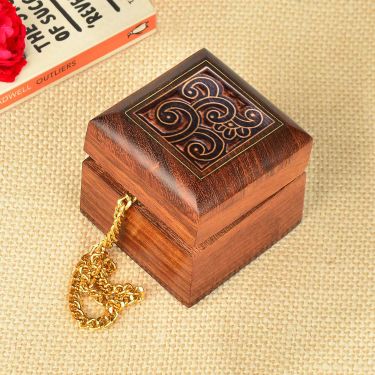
304,307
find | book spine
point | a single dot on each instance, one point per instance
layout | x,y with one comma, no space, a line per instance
78,62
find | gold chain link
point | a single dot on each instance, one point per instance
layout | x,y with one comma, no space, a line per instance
90,277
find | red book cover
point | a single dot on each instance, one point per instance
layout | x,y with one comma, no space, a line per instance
64,37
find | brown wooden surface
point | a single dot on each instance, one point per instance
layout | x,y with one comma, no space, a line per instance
190,272
195,203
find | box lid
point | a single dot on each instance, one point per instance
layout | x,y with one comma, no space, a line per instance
198,146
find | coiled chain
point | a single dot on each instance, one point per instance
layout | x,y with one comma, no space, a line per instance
90,278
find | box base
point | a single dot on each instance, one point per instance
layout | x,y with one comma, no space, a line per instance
190,273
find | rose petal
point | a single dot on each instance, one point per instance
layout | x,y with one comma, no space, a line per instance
12,42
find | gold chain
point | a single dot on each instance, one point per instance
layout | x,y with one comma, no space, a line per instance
90,277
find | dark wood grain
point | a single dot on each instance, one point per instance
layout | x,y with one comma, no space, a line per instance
197,198
190,272
218,169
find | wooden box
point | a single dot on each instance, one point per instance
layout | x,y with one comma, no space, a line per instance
217,169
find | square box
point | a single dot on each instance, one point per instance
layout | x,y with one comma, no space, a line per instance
219,173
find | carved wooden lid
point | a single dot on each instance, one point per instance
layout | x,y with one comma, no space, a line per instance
199,147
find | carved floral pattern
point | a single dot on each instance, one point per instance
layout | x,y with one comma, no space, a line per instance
204,118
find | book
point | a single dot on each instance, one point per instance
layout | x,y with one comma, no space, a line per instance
66,36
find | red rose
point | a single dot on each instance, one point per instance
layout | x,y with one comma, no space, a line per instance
12,42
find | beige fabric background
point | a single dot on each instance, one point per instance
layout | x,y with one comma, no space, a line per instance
305,307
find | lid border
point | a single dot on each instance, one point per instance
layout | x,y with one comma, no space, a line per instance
216,70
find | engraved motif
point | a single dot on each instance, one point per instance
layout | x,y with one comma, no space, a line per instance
206,119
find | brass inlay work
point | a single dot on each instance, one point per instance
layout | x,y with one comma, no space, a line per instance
207,119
